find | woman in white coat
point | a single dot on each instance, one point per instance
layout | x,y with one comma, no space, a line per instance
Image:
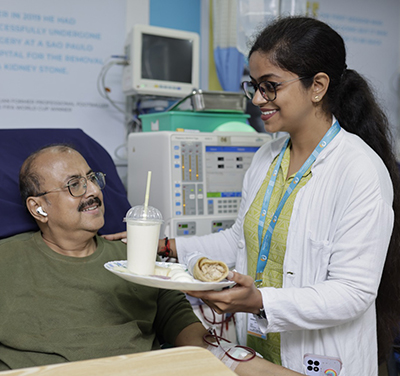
311,286
319,211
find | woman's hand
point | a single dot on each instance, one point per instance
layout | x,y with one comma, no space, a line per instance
243,297
167,248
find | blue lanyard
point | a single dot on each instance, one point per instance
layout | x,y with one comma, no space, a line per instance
265,243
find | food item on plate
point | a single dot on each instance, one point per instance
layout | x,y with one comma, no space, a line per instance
182,277
207,270
176,273
160,270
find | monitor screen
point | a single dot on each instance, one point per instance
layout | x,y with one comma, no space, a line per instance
162,62
166,59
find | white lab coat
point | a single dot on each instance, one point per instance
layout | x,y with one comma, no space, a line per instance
337,241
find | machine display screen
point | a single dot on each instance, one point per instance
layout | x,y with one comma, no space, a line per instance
226,166
166,59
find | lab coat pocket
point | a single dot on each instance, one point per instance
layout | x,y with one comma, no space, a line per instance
317,260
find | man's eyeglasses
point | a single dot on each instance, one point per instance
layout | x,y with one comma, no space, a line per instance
266,88
78,186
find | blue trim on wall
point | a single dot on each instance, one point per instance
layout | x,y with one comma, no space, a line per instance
176,14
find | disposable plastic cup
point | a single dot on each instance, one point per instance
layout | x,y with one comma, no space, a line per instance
143,228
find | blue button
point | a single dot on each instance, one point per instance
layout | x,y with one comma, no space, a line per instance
177,185
210,202
176,147
177,204
186,232
178,213
176,166
177,195
176,156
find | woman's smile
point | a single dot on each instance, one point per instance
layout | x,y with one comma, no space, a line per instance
267,114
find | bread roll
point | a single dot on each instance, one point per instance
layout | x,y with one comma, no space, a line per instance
207,270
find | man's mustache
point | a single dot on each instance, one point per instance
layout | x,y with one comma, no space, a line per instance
90,202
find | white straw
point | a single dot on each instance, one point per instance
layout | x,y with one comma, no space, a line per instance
146,198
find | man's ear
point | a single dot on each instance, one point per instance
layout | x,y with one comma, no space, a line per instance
34,205
319,87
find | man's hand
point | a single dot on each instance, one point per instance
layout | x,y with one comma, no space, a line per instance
118,236
243,297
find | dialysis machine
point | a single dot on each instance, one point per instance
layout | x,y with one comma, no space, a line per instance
196,177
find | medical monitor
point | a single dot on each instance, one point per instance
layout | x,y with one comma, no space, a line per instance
162,62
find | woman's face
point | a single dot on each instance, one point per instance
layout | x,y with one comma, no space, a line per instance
292,109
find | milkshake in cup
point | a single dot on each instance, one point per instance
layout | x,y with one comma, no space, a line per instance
143,228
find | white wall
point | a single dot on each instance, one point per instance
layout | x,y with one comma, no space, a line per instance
49,69
137,12
371,30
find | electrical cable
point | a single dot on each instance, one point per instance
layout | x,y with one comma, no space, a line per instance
213,335
225,319
131,123
102,86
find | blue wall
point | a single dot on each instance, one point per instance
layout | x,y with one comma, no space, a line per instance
176,14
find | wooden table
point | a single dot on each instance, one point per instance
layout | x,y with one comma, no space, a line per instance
179,361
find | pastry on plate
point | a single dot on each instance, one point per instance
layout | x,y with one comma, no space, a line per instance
207,270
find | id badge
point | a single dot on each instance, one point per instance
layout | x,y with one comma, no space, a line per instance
252,327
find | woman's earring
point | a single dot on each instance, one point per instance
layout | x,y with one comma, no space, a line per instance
316,97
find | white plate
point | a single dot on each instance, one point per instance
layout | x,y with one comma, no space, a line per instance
119,268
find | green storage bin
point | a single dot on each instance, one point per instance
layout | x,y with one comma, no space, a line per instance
176,120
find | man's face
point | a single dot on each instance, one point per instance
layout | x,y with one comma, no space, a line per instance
68,214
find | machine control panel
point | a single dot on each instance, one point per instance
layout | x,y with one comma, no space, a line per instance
196,177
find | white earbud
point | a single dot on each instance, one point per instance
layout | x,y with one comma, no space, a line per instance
41,211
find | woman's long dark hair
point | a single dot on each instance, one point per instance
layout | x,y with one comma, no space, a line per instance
306,46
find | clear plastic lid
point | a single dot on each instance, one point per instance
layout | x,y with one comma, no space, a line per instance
138,213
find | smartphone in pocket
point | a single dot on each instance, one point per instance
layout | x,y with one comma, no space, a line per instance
321,365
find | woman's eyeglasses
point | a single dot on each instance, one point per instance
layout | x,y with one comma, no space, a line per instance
267,88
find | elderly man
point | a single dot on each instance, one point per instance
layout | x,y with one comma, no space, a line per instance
57,302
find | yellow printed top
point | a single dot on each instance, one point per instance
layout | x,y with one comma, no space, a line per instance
272,277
